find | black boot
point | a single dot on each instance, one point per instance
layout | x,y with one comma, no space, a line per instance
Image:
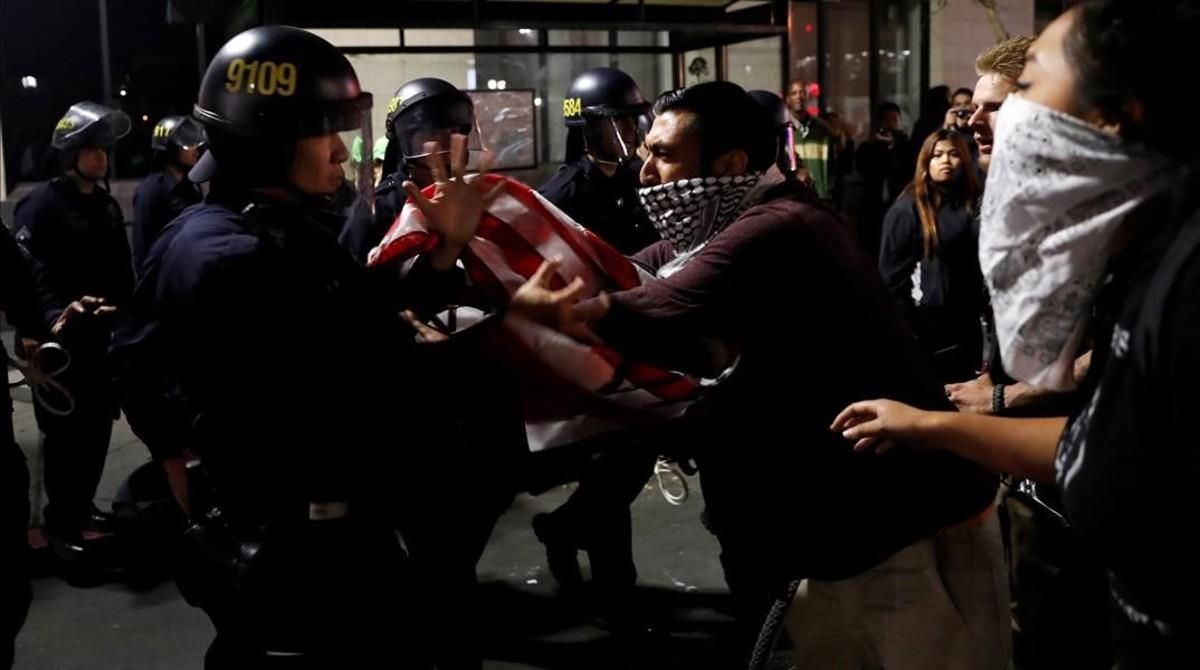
561,553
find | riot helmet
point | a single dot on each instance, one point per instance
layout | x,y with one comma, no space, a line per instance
87,125
606,116
175,139
427,110
267,88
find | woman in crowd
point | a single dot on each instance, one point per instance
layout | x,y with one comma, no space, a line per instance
1090,226
929,256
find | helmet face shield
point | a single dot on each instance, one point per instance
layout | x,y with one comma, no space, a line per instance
616,138
436,121
188,135
630,132
89,124
358,171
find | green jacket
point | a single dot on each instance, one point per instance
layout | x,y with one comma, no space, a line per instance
816,150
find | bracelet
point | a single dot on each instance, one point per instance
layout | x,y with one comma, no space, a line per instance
998,399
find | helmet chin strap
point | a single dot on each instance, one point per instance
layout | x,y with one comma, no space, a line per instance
601,161
619,162
591,154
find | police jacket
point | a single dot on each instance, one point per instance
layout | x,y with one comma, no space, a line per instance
365,229
158,199
78,245
607,206
259,343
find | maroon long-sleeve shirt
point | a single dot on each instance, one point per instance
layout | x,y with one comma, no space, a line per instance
815,329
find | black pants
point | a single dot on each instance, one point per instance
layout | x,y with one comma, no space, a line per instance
75,449
447,514
15,593
334,594
746,493
596,516
1060,595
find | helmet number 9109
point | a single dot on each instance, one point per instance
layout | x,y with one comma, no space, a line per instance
261,77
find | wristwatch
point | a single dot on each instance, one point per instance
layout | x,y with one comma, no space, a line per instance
998,399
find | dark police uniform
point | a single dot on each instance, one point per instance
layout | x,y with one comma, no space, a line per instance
158,200
258,343
16,301
246,309
79,248
484,430
611,470
607,206
243,300
364,230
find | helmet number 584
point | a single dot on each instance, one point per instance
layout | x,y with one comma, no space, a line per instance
261,77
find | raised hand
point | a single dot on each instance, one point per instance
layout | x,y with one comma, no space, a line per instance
556,309
457,204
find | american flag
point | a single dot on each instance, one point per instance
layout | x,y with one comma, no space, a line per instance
573,390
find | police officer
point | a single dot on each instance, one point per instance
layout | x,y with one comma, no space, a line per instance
281,359
75,234
605,115
486,431
162,196
778,111
421,111
18,304
606,119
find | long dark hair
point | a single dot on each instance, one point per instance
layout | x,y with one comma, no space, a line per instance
965,190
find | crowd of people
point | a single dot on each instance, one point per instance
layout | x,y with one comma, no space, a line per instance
993,357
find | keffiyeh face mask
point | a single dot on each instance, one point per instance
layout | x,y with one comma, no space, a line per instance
689,212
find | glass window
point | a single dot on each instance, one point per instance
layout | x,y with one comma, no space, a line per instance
847,75
652,72
436,37
643,38
578,38
521,37
359,37
756,64
899,56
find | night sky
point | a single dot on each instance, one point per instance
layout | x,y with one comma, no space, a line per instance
58,42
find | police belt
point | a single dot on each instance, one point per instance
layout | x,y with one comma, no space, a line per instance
227,546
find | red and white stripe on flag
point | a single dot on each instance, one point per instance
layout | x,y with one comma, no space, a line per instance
573,390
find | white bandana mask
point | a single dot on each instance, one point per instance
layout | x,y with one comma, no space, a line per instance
1057,190
689,212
